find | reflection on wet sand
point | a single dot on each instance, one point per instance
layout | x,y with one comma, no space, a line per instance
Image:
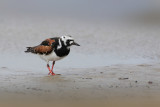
55,78
107,84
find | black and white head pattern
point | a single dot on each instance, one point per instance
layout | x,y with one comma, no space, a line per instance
67,41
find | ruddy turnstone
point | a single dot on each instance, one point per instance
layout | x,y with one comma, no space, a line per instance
53,49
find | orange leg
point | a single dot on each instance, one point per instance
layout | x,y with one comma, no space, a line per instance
50,71
53,65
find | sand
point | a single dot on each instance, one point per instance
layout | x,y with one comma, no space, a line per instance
109,85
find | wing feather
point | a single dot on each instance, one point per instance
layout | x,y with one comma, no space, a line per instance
46,47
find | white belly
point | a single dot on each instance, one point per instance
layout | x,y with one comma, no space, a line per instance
51,57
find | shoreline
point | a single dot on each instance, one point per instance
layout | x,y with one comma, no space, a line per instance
88,83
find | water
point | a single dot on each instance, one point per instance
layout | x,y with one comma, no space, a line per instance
74,60
102,44
73,8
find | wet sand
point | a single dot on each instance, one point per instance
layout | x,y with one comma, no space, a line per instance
109,85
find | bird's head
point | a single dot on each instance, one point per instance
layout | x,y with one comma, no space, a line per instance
68,41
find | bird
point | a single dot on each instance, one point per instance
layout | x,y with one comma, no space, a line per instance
53,49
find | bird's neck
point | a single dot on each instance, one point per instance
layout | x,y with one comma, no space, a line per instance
61,45
62,49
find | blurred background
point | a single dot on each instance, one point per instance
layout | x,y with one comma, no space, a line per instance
109,31
92,9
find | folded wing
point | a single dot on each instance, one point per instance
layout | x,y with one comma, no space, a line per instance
46,47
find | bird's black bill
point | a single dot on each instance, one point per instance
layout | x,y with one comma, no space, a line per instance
74,43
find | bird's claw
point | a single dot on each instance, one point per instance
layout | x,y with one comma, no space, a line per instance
51,73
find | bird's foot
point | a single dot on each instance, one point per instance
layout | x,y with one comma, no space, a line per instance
51,73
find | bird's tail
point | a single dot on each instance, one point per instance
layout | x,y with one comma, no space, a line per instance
29,49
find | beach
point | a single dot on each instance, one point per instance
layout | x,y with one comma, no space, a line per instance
127,85
115,65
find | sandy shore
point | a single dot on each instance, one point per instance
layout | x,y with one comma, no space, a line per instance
108,84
